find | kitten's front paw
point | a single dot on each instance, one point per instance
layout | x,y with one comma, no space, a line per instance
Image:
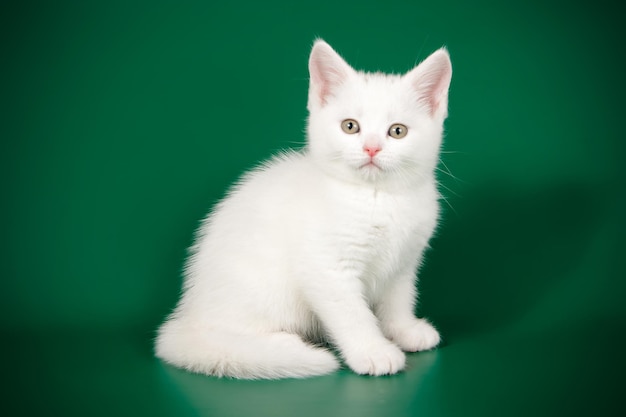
382,358
417,336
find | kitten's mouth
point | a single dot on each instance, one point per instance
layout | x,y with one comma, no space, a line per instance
370,165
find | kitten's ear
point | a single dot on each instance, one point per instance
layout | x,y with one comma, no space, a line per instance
430,80
327,70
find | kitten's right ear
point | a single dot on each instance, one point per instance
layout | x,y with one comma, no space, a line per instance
327,70
430,81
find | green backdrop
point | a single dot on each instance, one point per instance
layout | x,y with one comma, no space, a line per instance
122,122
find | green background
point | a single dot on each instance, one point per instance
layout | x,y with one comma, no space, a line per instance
123,122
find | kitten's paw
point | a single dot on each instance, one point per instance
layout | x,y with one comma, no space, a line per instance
384,358
417,336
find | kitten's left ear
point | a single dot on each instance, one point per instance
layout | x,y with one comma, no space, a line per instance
327,70
430,80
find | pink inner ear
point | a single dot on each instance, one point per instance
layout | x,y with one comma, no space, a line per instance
432,80
439,91
328,70
323,77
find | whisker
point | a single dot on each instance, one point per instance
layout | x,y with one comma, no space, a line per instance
448,203
447,171
448,189
451,175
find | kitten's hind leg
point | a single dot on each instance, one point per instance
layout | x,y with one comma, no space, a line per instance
398,321
241,354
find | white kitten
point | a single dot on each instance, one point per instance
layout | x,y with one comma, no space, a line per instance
323,244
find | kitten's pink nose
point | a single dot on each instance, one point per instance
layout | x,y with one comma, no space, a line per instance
371,150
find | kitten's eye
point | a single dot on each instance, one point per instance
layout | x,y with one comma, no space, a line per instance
350,126
398,131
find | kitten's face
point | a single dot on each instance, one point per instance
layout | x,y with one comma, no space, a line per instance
373,126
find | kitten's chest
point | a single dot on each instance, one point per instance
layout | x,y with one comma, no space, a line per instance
380,233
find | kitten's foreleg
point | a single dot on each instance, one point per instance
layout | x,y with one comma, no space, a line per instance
396,312
338,302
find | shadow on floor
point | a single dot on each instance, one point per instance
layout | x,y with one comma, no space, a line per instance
502,249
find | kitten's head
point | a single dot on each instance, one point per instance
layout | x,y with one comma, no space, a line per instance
373,127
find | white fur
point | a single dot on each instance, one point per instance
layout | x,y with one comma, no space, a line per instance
315,247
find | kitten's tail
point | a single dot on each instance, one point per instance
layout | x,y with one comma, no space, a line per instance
239,355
